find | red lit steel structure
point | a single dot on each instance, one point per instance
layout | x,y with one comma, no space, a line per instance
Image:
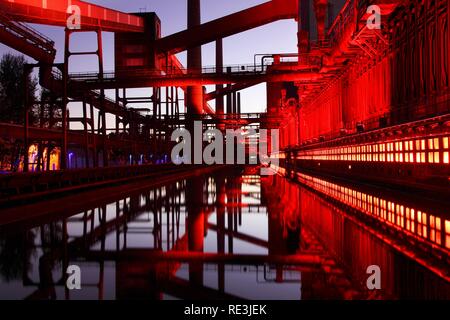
353,96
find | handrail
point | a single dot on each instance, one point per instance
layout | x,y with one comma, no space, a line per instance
171,72
371,125
341,21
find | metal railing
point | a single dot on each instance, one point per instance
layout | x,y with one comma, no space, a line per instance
388,121
171,72
241,116
341,22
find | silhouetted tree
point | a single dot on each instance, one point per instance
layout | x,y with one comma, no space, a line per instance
12,95
16,251
51,110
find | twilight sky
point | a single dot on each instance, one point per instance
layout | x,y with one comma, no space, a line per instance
279,37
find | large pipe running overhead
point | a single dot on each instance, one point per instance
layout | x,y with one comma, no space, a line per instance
232,24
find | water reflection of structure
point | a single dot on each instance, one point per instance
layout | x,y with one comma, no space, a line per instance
358,223
236,239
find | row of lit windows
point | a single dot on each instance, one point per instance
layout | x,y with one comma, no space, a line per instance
407,219
280,155
431,150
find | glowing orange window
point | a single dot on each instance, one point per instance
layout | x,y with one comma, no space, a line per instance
422,224
408,219
435,229
445,142
447,234
436,157
418,157
432,230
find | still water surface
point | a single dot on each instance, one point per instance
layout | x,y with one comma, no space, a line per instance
242,237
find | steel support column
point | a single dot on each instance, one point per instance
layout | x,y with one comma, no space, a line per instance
194,96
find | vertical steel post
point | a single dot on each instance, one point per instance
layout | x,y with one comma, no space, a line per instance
102,98
65,100
26,135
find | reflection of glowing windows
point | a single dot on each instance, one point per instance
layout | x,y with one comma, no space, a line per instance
386,211
419,223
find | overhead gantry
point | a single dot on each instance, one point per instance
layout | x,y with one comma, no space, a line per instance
144,59
56,13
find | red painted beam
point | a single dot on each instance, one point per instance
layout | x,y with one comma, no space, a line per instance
224,91
26,40
232,24
54,12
